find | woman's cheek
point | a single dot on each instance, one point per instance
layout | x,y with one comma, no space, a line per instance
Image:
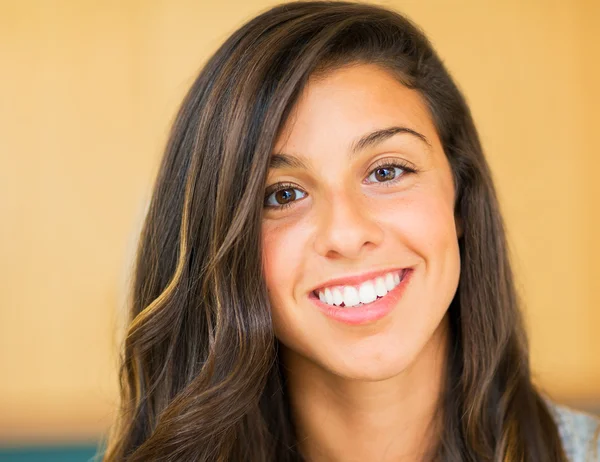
270,243
282,253
282,263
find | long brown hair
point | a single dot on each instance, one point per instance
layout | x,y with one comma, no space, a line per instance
201,378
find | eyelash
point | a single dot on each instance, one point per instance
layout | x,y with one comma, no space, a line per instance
404,166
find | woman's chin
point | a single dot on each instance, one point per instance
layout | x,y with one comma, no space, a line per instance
373,369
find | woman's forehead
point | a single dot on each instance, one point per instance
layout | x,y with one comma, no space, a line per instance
349,102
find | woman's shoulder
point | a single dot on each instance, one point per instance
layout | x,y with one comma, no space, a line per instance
579,432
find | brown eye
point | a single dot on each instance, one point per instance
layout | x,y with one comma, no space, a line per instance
390,172
385,174
283,197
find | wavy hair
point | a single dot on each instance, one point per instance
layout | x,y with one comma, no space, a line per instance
201,378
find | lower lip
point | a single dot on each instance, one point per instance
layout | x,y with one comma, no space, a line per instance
363,314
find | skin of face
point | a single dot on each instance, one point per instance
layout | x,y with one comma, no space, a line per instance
345,220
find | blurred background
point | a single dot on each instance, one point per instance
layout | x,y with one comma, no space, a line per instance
88,90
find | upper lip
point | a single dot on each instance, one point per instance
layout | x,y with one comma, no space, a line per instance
357,279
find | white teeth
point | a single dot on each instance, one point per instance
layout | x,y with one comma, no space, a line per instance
351,296
380,288
337,296
366,292
389,281
328,296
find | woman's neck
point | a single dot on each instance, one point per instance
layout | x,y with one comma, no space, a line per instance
396,419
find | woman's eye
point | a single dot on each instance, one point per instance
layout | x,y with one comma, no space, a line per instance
283,197
385,173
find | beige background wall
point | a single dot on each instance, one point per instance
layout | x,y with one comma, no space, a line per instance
87,91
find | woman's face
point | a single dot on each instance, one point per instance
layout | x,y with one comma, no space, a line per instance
346,219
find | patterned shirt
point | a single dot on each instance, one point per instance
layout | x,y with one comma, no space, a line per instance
580,433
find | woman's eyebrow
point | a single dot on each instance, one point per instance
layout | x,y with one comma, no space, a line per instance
379,136
282,160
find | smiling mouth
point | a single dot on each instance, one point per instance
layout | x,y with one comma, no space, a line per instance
362,294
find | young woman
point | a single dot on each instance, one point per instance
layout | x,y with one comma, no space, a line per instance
323,272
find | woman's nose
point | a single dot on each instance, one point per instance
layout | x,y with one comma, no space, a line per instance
346,228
